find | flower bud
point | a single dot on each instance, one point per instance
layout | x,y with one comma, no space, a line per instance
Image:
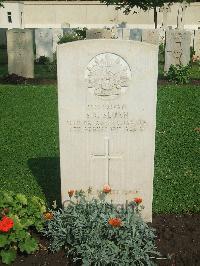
71,192
106,188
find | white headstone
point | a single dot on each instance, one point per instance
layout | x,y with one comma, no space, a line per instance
165,10
57,33
136,34
120,33
20,52
68,31
107,118
161,33
150,36
44,43
126,34
99,34
181,15
197,43
177,49
65,25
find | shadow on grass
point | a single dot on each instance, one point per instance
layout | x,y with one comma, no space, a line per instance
47,172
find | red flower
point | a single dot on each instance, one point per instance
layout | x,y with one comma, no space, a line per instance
6,224
71,192
106,189
115,222
48,215
138,200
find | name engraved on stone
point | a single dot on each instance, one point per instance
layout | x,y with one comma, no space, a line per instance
106,117
107,75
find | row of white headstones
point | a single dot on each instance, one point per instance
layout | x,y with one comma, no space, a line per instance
20,45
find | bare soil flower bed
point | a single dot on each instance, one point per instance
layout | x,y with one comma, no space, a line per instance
178,240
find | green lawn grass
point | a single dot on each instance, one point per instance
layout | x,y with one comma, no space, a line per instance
29,140
29,145
177,164
195,71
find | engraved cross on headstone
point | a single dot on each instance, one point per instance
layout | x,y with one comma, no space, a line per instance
107,157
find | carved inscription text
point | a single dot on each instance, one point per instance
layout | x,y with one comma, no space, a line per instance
106,117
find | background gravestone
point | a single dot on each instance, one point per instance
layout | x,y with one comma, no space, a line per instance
150,36
20,52
68,31
99,34
192,33
197,43
126,34
56,34
165,9
136,34
177,49
33,33
107,118
120,33
161,34
44,43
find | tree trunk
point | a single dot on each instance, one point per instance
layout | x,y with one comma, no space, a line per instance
155,17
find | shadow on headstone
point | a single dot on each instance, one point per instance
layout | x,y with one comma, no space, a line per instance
47,172
3,47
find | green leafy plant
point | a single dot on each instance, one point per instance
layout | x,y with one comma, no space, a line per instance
96,232
42,60
74,35
68,37
1,3
192,53
179,74
81,32
18,214
52,65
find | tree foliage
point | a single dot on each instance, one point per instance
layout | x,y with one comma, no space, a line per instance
128,5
